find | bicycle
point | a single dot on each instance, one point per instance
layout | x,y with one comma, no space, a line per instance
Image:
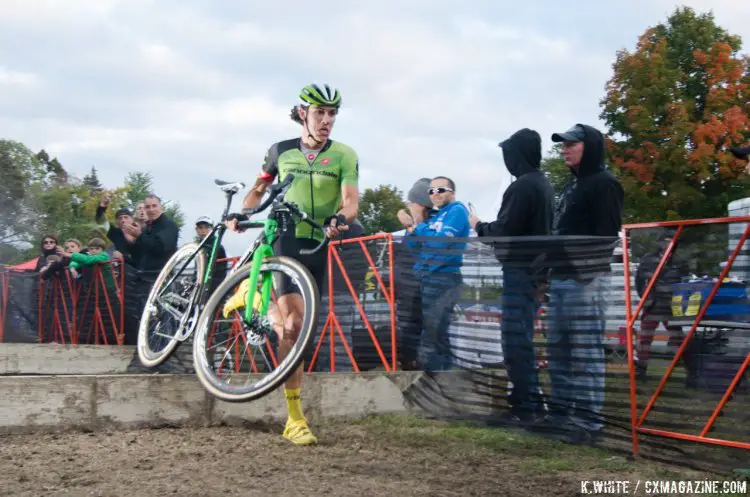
253,327
184,303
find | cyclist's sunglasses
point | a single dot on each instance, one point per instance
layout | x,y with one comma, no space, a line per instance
439,189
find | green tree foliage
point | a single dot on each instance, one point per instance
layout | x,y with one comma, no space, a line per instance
38,196
554,168
378,209
673,107
139,185
91,180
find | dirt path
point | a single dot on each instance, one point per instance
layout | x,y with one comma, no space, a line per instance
372,458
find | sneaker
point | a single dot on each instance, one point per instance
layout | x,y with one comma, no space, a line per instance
237,301
299,433
581,436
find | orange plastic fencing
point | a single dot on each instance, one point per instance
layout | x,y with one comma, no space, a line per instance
70,313
332,327
638,420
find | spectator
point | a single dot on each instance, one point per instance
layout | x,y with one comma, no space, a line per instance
49,268
96,255
106,296
408,295
658,306
124,243
71,246
527,210
140,214
742,153
157,241
590,205
48,247
438,269
203,226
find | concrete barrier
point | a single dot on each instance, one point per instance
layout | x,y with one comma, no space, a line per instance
56,359
57,403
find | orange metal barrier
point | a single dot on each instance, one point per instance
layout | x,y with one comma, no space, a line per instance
636,420
332,325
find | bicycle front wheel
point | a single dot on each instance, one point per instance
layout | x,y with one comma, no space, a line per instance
169,311
238,361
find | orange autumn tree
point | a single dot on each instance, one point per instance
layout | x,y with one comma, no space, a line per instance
673,108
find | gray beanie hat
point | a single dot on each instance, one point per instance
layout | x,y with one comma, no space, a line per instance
418,193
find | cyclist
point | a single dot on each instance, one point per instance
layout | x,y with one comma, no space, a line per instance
325,187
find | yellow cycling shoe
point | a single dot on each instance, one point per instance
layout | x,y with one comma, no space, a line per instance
237,301
299,433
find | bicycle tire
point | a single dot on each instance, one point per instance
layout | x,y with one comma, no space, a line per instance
148,357
274,379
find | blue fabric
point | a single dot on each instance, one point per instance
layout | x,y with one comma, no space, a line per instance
576,358
439,292
445,256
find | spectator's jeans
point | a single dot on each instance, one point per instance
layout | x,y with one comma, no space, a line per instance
576,357
519,310
440,292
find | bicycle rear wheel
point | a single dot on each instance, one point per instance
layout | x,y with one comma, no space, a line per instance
165,317
222,345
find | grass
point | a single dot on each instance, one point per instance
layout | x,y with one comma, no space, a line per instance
528,454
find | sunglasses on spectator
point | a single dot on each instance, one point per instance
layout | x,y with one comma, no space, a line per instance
439,189
47,242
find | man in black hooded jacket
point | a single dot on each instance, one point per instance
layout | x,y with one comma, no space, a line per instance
526,210
589,206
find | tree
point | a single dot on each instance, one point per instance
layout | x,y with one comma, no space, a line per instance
674,107
378,209
140,185
17,165
554,169
91,180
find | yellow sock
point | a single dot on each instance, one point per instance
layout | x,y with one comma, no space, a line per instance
294,404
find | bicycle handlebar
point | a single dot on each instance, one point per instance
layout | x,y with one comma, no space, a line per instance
274,192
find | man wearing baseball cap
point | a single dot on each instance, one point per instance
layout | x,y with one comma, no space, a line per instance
590,206
203,226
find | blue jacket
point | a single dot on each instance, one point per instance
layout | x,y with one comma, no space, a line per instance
450,221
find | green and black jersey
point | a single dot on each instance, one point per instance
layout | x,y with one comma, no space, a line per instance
318,176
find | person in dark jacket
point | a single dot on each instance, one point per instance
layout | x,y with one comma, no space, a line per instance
123,243
48,247
590,205
408,293
742,153
658,305
203,226
526,210
157,241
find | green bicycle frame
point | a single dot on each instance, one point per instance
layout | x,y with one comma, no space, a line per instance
263,251
211,260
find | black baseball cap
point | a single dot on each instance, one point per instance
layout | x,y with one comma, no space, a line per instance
574,134
123,212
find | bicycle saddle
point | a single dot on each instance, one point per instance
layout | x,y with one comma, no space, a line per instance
228,186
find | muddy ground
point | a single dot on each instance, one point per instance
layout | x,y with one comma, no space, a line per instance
383,456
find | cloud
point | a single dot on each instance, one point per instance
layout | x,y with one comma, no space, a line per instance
193,91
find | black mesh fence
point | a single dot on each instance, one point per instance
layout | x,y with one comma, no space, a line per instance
530,333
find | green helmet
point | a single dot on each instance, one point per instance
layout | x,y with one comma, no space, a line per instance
320,95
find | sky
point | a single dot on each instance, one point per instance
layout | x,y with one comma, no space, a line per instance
193,90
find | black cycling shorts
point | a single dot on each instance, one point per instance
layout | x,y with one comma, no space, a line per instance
287,244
